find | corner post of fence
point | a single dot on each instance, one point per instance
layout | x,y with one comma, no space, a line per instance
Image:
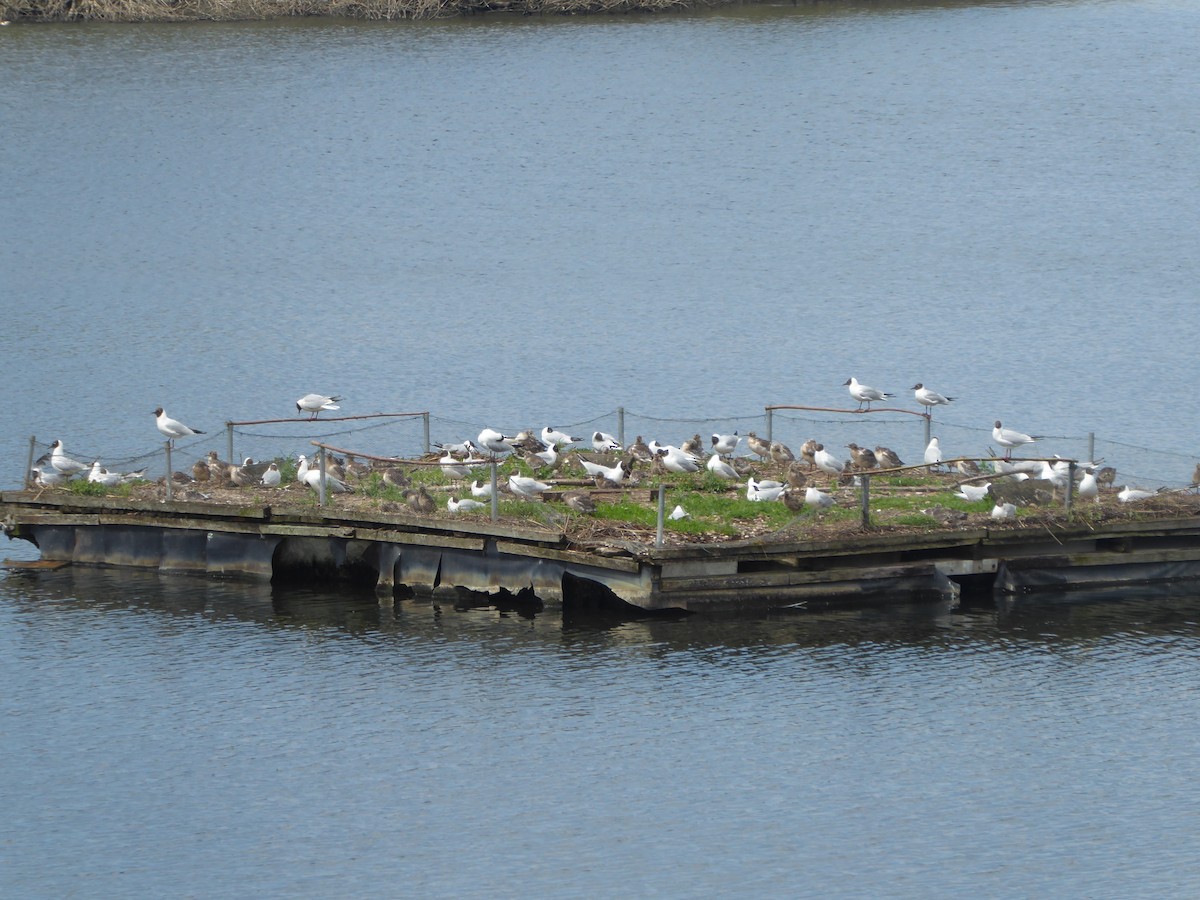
1067,499
621,425
169,482
662,505
495,493
321,480
770,423
928,418
866,499
425,416
29,462
229,441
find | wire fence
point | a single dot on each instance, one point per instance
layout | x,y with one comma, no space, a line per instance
413,434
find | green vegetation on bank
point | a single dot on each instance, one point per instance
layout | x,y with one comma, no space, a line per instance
249,10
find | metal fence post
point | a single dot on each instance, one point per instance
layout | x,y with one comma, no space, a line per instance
495,493
170,475
1070,488
1091,446
928,418
425,416
29,463
662,502
770,423
321,480
229,442
866,499
621,425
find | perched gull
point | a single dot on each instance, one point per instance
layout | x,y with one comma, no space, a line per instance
817,498
1003,511
529,488
720,468
314,403
580,501
760,491
100,475
272,477
453,467
553,438
494,441
864,394
675,460
827,462
312,477
456,505
171,428
933,453
604,443
973,492
614,474
725,444
62,463
481,488
1132,495
929,398
757,445
1089,487
1008,439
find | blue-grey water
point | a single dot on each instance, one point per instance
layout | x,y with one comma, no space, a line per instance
519,222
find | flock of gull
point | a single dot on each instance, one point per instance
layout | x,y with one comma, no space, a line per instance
550,452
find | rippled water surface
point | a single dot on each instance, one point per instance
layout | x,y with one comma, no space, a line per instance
169,736
516,222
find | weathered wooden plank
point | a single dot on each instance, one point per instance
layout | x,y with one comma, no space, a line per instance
759,580
406,538
35,563
577,557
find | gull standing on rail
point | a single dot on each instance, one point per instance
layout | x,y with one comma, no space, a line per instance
172,428
314,403
1007,438
864,394
928,398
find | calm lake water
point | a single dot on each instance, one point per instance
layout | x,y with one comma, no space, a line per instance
519,222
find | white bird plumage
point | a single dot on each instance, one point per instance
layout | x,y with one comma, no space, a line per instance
720,468
552,437
929,398
312,477
172,428
725,444
1008,438
763,491
1004,511
272,477
827,462
973,492
615,474
864,393
604,443
523,486
315,403
933,453
455,505
63,464
494,441
1132,495
817,498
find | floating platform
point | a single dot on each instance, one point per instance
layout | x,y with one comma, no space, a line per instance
411,555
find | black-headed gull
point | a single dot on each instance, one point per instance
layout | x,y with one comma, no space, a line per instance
1132,495
101,475
863,458
757,445
1008,439
613,474
1003,511
933,453
523,486
725,444
720,468
552,437
763,491
973,492
929,398
172,428
62,463
827,462
455,505
865,394
45,477
673,459
495,442
272,477
888,458
1089,487
604,443
312,477
817,498
580,501
315,403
